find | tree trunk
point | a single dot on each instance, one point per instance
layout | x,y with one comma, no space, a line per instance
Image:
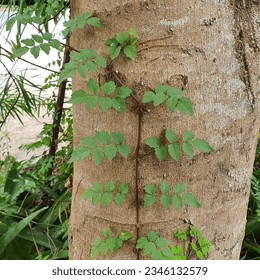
210,49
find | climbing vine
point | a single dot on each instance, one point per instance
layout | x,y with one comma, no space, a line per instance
108,144
105,144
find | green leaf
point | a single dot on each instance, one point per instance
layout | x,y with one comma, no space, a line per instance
161,153
98,155
94,21
37,38
97,187
122,38
108,88
47,36
174,92
85,53
91,66
181,235
55,44
185,106
179,188
171,103
141,242
165,187
177,201
103,249
21,51
114,51
119,199
91,102
89,142
161,242
149,248
87,194
79,154
187,135
105,103
65,74
16,228
202,145
117,137
123,188
123,92
149,199
130,51
106,199
161,88
174,151
110,151
103,137
107,232
132,32
124,150
170,136
94,252
118,104
82,70
152,235
78,97
92,86
45,47
35,51
125,235
152,142
166,201
28,42
111,244
159,98
100,60
96,198
150,189
110,186
191,200
188,149
148,97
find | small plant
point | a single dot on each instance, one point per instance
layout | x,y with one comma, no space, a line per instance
109,243
105,195
123,42
112,96
159,248
189,143
104,144
167,198
172,97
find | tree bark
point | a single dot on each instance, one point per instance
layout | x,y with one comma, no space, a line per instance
210,49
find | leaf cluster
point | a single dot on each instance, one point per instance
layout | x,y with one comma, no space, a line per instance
123,42
169,196
82,62
200,246
103,144
189,143
159,248
172,97
38,43
108,243
106,194
112,96
80,21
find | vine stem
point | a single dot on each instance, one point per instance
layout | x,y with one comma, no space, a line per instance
140,117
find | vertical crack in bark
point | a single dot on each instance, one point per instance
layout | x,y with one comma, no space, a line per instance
140,117
244,34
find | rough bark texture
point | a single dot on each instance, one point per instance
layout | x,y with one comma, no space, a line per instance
210,48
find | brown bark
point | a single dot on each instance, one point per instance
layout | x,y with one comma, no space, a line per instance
210,49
